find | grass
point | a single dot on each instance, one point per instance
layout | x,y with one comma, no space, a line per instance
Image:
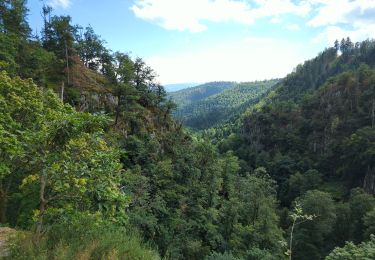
82,241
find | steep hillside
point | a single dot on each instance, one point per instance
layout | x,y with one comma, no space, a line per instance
214,109
92,162
190,95
315,135
179,86
94,166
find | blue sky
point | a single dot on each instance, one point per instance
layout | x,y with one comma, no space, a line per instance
212,40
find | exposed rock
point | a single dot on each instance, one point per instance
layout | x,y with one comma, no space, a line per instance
5,234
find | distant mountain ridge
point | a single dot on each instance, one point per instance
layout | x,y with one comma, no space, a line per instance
190,95
206,105
179,86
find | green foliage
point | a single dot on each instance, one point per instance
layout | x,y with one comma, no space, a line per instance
55,155
82,180
305,148
13,18
84,236
298,183
298,217
359,156
201,113
18,54
24,112
193,204
188,96
313,237
165,187
256,223
360,204
287,133
369,222
219,256
8,53
365,250
90,48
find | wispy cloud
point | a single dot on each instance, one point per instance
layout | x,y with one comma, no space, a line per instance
322,20
332,12
342,18
60,3
332,33
190,15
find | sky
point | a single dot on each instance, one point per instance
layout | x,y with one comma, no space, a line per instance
218,40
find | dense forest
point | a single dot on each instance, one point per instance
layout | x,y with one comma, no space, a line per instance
94,166
179,86
213,103
191,95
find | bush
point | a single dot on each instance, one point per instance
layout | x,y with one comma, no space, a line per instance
365,250
82,239
219,256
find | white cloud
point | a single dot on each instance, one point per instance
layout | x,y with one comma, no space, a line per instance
292,27
332,33
252,58
342,12
187,14
190,15
59,3
271,8
276,20
343,18
247,60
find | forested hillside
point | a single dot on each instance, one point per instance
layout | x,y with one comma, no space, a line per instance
315,135
93,165
179,86
188,96
217,102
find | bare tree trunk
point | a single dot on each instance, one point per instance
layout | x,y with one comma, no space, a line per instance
369,180
67,62
3,206
291,240
2,203
42,207
4,191
62,91
373,113
118,109
117,114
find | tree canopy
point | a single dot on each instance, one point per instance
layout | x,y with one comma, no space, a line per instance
94,165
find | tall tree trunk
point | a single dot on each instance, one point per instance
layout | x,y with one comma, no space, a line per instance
117,114
373,113
369,180
3,206
62,91
4,191
67,63
118,109
291,240
42,207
